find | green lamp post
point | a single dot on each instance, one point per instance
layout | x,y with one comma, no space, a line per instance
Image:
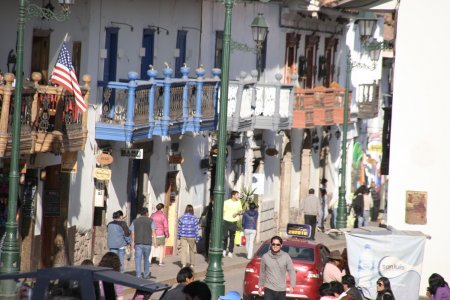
214,274
366,23
10,259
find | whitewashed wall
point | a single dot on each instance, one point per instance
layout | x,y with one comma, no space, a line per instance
419,159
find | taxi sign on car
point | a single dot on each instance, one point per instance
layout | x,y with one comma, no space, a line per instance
299,230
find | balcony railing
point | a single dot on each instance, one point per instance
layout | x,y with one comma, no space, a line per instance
139,109
368,98
319,106
254,105
50,119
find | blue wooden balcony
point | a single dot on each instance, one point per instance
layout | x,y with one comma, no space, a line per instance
137,110
254,105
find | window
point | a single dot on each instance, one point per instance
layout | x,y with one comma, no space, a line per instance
218,49
290,64
148,43
310,60
181,46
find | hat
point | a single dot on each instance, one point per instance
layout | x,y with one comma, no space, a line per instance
335,255
231,295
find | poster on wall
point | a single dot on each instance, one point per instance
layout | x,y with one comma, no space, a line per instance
398,255
416,208
258,183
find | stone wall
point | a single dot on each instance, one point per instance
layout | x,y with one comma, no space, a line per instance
82,246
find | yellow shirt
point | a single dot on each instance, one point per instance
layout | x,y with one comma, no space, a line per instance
231,207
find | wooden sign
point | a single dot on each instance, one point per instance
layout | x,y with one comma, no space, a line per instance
102,174
416,208
176,159
69,162
104,159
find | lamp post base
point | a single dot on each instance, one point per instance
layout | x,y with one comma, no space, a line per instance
8,290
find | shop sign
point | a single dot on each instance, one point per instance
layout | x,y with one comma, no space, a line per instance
176,159
104,159
132,153
102,173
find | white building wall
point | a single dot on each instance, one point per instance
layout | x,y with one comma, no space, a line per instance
418,160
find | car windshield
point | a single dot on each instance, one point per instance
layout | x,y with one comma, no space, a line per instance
296,252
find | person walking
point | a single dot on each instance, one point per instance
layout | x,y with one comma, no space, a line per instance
438,288
143,231
332,272
184,277
162,232
188,235
376,201
206,219
384,291
118,237
363,219
249,222
232,208
311,209
272,272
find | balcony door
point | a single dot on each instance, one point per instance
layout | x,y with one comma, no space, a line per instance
40,53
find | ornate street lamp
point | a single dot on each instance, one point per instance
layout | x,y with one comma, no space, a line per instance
367,22
366,26
9,260
259,32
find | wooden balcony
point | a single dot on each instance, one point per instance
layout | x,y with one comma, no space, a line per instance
50,119
254,105
138,110
319,106
367,99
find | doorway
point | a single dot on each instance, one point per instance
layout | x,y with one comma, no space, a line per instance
171,209
40,53
52,216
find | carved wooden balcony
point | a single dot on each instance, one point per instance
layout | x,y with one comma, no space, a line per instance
319,106
50,120
254,105
367,99
139,109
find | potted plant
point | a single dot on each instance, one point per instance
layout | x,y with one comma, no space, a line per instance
247,197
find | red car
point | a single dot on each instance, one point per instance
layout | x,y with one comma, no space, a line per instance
309,259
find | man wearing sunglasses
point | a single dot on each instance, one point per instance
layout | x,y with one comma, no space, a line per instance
272,273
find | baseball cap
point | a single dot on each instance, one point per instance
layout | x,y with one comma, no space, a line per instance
231,295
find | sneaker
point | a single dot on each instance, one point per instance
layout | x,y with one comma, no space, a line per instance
183,266
230,254
161,264
224,253
192,267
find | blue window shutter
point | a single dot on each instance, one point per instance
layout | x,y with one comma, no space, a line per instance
111,46
181,44
148,43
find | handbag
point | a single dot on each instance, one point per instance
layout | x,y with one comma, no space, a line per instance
243,240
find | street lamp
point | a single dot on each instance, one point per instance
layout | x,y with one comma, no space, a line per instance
9,260
214,274
366,26
259,32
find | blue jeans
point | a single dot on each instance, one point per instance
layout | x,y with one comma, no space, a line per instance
364,219
142,252
121,253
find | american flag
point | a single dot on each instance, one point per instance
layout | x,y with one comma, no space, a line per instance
64,75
